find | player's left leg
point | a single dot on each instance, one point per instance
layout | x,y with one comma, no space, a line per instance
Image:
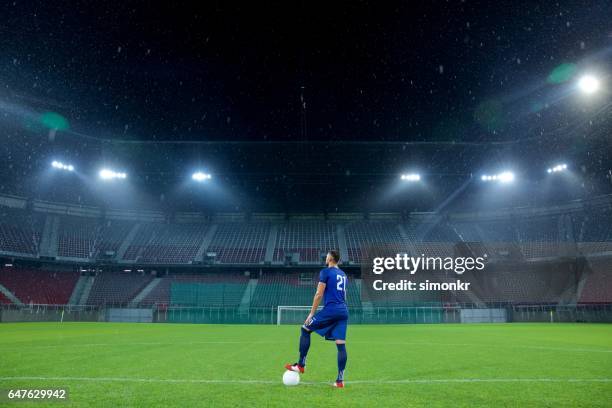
304,346
342,357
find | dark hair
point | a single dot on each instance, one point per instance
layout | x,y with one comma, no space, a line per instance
335,254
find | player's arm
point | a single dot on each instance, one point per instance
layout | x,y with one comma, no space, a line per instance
316,301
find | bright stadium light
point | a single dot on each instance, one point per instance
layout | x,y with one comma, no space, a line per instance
106,174
588,84
504,177
411,177
200,176
62,166
556,169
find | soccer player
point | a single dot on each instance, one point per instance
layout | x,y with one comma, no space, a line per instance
332,321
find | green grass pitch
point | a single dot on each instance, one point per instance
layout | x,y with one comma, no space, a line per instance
147,365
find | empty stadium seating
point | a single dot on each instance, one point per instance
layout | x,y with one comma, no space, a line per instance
309,240
364,236
240,243
39,286
116,287
18,232
596,232
539,237
76,237
432,239
4,300
295,289
598,285
111,235
212,289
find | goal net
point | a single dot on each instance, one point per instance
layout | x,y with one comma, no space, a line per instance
292,314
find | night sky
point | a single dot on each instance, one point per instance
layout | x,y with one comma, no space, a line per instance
370,71
461,76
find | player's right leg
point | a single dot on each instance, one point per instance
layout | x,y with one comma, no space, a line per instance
341,345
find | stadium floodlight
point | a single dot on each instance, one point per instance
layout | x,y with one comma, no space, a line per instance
588,84
201,177
556,169
411,177
504,177
62,166
106,174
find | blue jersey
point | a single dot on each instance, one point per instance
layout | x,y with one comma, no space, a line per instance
335,289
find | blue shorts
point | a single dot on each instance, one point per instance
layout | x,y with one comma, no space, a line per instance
329,323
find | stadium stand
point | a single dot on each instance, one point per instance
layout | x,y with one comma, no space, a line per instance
309,240
598,285
145,232
17,232
596,231
361,236
76,237
212,289
4,300
432,239
116,287
111,235
295,289
39,286
207,294
539,236
174,244
240,243
499,237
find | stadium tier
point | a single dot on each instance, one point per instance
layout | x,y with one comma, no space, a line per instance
309,240
432,239
598,283
240,243
373,236
208,289
39,286
531,254
17,232
165,243
4,300
76,237
117,288
112,234
595,231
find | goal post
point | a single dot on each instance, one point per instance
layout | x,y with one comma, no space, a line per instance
292,314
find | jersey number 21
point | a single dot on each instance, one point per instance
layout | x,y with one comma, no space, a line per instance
341,283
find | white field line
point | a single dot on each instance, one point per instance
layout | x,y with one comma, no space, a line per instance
220,381
178,343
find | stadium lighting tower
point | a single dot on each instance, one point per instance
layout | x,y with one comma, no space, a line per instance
107,174
201,177
556,169
588,84
410,177
62,166
504,177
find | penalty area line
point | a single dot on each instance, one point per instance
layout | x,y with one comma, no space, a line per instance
221,381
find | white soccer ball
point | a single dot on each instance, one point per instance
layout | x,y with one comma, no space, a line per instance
291,378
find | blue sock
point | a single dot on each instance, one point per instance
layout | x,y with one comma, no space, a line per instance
304,346
341,361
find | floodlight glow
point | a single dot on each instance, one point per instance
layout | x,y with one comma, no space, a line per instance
504,177
411,177
106,174
200,177
557,168
588,84
61,166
